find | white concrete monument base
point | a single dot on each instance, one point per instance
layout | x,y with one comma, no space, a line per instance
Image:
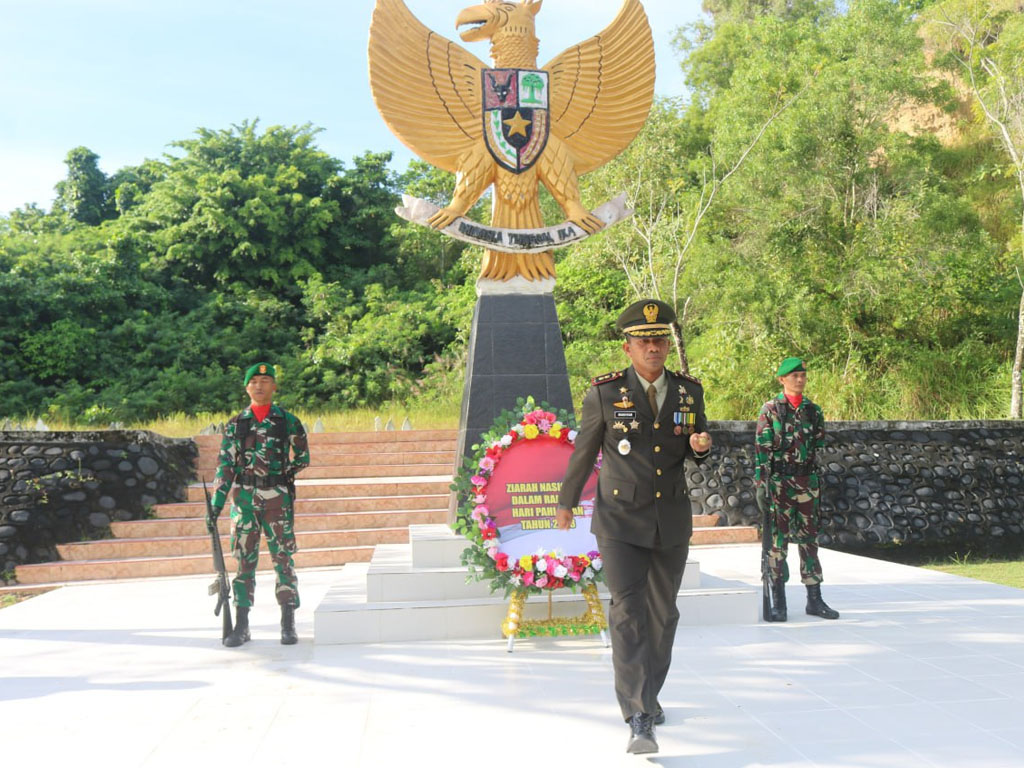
418,591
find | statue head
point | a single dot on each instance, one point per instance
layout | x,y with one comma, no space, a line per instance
495,18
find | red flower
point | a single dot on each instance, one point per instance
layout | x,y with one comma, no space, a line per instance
501,561
488,533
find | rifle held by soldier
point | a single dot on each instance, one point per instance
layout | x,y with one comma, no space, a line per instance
764,505
220,586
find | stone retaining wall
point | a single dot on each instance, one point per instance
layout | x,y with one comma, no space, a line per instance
916,484
58,487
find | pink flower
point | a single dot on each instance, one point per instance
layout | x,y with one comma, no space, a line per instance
479,512
530,418
528,578
493,553
479,499
552,565
478,481
574,575
544,424
542,581
501,561
487,464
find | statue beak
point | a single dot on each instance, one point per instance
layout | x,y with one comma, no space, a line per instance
479,16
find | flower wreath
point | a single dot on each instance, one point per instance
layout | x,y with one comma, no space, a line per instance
534,573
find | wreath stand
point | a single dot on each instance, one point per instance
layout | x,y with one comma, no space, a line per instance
592,621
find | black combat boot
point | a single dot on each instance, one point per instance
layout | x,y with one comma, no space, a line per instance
240,634
816,606
641,734
288,636
779,600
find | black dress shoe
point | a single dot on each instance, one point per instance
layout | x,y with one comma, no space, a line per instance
641,737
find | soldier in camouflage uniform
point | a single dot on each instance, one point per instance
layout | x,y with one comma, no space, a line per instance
790,432
254,457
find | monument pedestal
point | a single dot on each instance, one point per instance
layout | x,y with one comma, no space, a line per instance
515,350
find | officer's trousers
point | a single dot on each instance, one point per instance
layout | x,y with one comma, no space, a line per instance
642,617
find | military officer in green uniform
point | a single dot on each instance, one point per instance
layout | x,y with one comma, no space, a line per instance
790,433
263,448
647,421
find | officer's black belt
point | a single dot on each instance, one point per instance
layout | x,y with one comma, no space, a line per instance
261,481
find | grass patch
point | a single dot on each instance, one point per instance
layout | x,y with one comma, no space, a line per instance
1008,572
10,598
425,416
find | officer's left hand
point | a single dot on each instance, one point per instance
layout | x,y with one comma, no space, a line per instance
563,518
700,442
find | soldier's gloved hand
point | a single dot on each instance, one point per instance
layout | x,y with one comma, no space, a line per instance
211,520
761,495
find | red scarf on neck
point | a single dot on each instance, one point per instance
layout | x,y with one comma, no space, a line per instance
795,400
260,411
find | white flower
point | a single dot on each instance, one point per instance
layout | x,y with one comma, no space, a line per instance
516,579
560,571
587,573
493,553
542,565
572,435
597,563
519,429
506,441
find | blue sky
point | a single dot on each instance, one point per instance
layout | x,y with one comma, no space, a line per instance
126,77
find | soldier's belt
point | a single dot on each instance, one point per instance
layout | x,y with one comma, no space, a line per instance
262,481
788,468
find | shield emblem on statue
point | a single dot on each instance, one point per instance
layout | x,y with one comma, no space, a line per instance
515,115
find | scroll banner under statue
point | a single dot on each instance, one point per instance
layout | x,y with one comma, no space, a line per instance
522,496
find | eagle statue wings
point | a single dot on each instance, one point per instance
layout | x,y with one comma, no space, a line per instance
513,125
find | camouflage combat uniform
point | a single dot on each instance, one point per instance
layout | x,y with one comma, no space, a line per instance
260,471
786,447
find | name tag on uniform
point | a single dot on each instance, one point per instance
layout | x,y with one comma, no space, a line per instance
625,414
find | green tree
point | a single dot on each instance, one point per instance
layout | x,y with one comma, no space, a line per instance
83,195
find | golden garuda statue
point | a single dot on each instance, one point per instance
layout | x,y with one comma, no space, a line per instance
512,125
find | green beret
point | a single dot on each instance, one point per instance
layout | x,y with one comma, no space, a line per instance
789,365
260,369
646,318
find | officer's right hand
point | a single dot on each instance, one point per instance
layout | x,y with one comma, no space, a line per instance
761,495
211,520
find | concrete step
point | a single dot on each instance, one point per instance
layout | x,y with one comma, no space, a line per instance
378,486
725,534
323,505
392,577
354,470
397,438
325,521
332,456
173,546
345,615
137,568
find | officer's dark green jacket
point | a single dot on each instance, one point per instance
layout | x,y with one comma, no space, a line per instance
642,491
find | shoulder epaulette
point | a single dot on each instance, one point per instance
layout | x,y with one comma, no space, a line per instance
606,377
686,376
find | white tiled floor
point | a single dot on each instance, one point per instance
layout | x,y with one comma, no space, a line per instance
923,669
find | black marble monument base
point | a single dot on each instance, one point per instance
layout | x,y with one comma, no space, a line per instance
515,350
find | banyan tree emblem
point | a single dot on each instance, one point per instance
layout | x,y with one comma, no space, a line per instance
514,125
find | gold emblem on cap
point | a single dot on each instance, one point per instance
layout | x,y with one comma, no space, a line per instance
263,369
651,312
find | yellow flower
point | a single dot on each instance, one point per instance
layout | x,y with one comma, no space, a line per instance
531,431
526,562
556,430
